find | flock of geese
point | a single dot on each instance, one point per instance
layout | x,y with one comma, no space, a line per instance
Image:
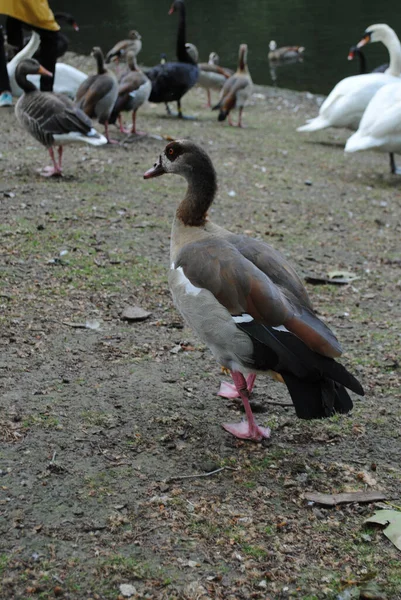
241,296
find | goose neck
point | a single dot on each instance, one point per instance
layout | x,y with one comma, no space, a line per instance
100,63
202,187
22,81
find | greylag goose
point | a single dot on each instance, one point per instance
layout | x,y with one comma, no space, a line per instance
133,91
171,80
285,52
211,75
247,304
52,119
347,101
236,90
121,49
97,95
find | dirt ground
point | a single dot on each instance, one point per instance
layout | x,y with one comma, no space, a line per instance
98,423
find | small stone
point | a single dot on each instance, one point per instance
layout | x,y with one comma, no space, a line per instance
127,590
308,182
134,313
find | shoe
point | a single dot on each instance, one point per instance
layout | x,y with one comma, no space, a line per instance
6,99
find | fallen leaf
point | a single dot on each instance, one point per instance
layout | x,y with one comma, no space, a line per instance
392,520
333,499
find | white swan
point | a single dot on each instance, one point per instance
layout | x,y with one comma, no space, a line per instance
380,127
346,103
67,78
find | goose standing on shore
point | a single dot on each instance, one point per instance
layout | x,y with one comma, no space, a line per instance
212,76
236,90
348,100
247,304
171,80
133,91
121,49
97,95
52,119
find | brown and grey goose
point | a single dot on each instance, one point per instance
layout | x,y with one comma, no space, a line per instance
133,91
247,304
121,49
97,95
52,119
237,89
211,75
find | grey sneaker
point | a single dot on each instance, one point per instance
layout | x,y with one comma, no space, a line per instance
6,99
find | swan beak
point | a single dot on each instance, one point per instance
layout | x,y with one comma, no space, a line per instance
351,55
43,71
155,171
365,40
170,12
75,26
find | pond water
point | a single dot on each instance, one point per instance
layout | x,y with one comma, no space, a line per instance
326,29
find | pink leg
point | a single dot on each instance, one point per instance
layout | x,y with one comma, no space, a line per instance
133,130
51,171
106,133
246,430
209,99
230,122
239,124
228,390
120,122
60,156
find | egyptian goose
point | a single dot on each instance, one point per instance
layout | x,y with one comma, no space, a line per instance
247,303
285,52
67,79
97,95
52,119
211,75
121,49
380,126
133,91
236,90
346,103
171,80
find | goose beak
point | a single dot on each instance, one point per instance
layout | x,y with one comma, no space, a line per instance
43,71
365,40
75,26
155,171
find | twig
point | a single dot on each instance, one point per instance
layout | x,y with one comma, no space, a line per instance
141,533
201,474
278,403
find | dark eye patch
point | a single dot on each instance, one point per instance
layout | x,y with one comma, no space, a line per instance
173,151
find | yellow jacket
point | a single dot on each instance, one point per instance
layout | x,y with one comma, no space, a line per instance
33,12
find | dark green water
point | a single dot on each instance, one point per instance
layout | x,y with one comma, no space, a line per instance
326,29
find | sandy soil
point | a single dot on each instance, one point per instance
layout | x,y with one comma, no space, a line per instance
95,424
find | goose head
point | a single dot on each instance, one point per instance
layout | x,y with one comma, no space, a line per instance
134,35
272,45
192,51
98,56
181,157
376,33
214,58
243,56
30,66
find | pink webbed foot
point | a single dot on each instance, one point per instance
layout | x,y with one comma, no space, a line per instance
50,172
245,431
136,132
228,390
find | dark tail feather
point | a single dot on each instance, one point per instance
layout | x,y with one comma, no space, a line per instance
222,115
319,399
216,107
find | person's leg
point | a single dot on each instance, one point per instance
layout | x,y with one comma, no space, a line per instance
14,32
47,56
5,88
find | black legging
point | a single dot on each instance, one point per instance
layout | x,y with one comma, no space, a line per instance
47,50
4,81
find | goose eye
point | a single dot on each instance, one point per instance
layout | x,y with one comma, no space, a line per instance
171,151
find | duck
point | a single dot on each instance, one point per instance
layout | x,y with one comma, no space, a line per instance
236,90
52,119
172,80
357,52
247,304
348,100
285,52
380,126
97,95
67,78
211,75
133,91
132,44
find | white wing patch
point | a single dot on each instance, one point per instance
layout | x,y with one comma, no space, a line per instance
244,318
190,289
281,328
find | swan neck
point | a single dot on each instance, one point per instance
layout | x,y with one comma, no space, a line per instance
27,51
394,49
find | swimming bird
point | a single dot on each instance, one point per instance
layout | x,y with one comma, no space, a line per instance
346,103
97,95
52,119
380,126
133,91
247,304
236,90
171,80
285,52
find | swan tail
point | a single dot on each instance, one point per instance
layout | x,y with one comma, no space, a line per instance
357,142
315,124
